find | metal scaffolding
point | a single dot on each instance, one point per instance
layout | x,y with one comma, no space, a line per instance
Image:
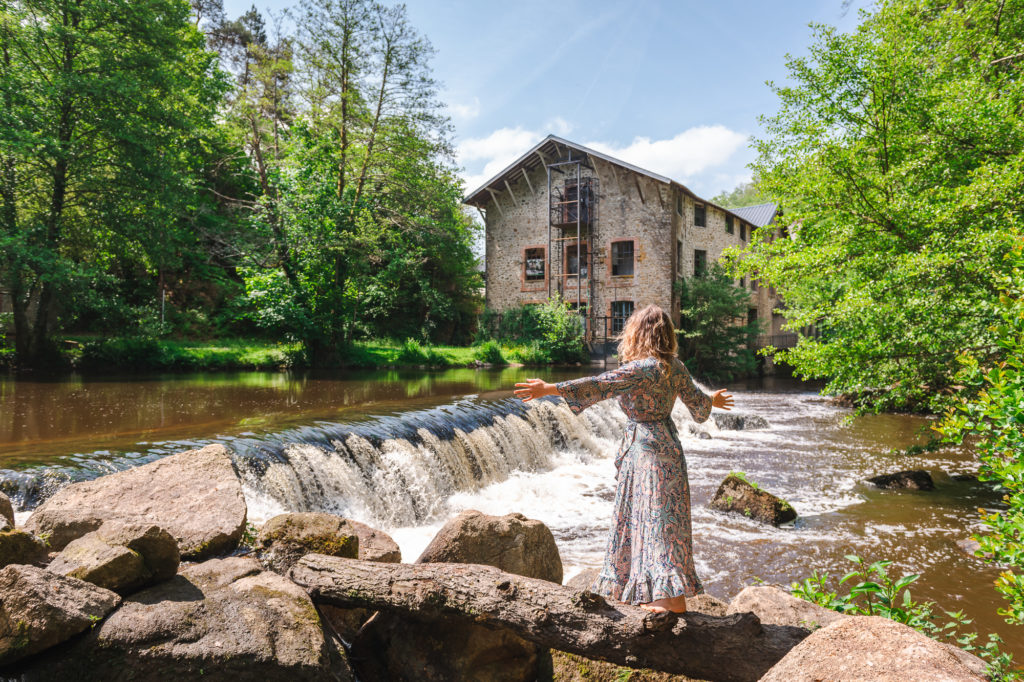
572,226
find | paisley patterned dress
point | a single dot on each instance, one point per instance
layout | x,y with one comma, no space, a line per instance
650,549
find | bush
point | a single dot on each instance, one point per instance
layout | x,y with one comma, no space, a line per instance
489,352
561,331
713,329
415,353
531,354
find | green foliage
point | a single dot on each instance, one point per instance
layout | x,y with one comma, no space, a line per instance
870,591
149,354
898,153
714,334
415,353
743,477
534,353
744,194
515,325
561,331
489,352
992,412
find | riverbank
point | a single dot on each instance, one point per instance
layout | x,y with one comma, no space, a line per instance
135,354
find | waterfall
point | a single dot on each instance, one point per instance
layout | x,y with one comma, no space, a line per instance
401,471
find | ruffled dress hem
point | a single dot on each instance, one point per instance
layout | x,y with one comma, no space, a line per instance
647,588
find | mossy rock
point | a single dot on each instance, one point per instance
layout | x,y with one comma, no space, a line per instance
740,496
286,538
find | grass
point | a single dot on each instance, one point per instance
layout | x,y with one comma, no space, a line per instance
149,354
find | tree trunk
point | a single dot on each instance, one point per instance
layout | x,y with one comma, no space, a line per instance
731,648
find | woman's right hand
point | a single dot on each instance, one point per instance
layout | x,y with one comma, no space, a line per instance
721,399
534,388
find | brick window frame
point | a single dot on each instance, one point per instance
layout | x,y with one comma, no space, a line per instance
535,284
612,317
703,260
622,280
568,279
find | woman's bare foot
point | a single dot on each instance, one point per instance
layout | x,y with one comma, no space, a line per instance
673,604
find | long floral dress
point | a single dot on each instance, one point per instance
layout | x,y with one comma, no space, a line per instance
650,549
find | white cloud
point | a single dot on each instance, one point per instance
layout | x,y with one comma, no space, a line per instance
466,111
682,157
686,157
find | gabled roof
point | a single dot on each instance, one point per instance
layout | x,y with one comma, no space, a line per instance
548,147
759,215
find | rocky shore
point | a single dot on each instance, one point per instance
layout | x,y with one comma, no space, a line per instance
150,574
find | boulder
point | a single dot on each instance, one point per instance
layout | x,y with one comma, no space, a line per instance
223,619
873,648
120,556
6,512
775,606
391,648
972,548
738,495
917,479
584,580
19,547
575,668
39,609
286,538
195,496
376,545
512,543
737,421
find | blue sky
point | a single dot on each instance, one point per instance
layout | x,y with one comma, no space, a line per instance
673,86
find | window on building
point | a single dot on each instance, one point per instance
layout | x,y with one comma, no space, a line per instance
621,310
679,258
753,284
743,282
700,215
576,260
751,315
700,262
679,204
534,265
743,231
622,259
728,224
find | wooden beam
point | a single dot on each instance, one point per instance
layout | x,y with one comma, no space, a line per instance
528,183
639,189
661,199
543,159
511,193
734,648
496,202
483,216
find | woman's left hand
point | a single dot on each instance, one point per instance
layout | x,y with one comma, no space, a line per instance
534,388
721,399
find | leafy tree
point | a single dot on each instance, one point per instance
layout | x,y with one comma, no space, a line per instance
714,334
898,151
99,151
743,194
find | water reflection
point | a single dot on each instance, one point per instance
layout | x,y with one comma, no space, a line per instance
42,419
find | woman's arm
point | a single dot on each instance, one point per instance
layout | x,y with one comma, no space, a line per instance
697,401
581,393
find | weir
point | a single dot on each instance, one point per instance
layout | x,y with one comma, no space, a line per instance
391,471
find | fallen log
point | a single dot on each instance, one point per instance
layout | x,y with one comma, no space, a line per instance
736,648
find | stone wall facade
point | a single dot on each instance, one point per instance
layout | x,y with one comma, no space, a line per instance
657,217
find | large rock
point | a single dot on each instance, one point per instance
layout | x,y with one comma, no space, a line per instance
19,547
392,648
376,545
224,619
286,538
775,606
916,479
39,609
737,421
120,556
738,495
512,543
873,648
6,512
195,496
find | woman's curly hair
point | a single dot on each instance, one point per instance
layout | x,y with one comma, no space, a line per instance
648,333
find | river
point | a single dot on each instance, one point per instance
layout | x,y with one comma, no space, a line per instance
405,450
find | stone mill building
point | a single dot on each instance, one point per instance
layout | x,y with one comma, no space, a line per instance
606,235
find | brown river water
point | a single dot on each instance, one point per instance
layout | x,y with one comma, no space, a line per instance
404,450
